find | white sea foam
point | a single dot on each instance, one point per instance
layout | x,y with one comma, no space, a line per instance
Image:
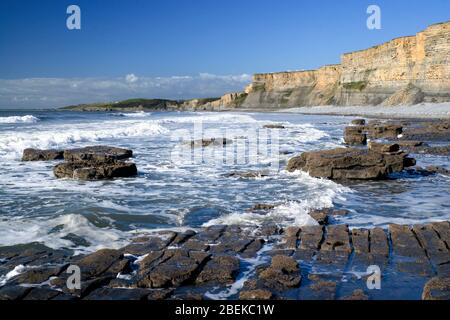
25,230
225,118
140,114
15,272
320,194
19,119
13,143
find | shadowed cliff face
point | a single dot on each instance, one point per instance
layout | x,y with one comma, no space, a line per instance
403,71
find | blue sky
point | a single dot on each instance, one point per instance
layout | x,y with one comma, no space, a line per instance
209,46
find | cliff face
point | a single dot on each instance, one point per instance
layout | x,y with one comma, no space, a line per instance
406,70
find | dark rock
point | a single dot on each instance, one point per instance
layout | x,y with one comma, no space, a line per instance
248,174
349,163
321,216
99,263
383,147
176,268
311,237
86,170
341,212
360,240
13,292
30,154
43,293
37,275
210,142
144,245
357,295
443,229
337,239
274,126
324,290
252,249
283,272
221,269
355,136
438,170
384,131
97,154
437,289
358,122
106,293
379,242
261,207
257,294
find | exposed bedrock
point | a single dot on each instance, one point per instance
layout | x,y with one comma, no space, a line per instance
31,154
94,170
404,71
89,163
304,262
351,163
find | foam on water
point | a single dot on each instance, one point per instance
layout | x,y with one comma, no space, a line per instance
12,143
140,114
15,272
52,231
19,119
320,194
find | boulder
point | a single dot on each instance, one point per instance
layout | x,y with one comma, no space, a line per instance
358,122
437,289
207,142
257,294
355,135
220,269
274,126
383,147
282,273
350,163
31,154
384,131
89,170
97,154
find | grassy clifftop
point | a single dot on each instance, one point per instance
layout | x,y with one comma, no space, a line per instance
130,105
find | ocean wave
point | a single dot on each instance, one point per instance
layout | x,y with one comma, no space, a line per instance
320,194
211,117
52,231
140,114
12,144
19,119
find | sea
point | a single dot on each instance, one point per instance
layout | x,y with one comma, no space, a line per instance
181,185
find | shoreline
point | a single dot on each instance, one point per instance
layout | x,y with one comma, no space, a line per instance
421,111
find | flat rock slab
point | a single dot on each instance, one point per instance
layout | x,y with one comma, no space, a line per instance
97,154
31,154
86,170
350,163
310,262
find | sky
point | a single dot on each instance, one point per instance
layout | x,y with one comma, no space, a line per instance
181,48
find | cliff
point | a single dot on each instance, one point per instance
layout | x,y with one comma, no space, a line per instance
403,71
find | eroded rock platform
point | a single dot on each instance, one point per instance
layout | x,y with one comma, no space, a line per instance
312,262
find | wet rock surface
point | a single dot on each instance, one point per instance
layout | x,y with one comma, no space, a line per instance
30,154
350,163
88,163
310,262
90,170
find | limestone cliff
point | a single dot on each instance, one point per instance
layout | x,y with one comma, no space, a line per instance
406,70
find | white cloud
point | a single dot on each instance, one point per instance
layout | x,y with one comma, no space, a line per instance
131,78
58,92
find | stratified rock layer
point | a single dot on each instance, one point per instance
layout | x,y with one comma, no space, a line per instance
350,163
